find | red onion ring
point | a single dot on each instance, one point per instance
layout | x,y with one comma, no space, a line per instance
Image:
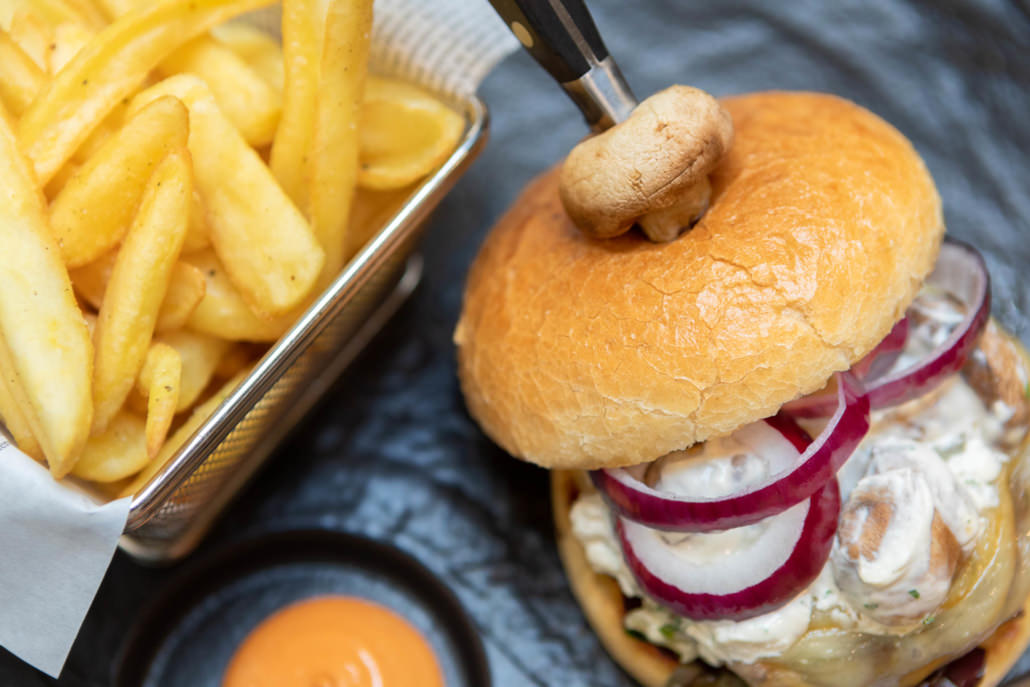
960,271
815,467
715,589
886,353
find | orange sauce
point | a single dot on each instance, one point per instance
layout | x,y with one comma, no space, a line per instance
334,641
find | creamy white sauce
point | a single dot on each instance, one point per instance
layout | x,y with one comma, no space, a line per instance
897,585
958,428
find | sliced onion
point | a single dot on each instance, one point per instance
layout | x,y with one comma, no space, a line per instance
760,568
814,468
883,357
961,272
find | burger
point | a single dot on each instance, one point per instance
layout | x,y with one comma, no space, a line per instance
788,441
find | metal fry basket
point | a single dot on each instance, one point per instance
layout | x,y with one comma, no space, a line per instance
172,512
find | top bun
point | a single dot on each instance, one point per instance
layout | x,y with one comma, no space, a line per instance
582,353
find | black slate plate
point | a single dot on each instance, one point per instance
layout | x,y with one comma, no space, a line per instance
391,453
188,636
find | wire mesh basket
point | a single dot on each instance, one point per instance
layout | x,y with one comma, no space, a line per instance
172,512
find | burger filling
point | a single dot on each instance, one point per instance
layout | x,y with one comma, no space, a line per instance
916,498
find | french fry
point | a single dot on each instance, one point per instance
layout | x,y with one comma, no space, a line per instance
199,355
267,247
20,77
223,313
198,234
46,357
302,43
185,290
199,415
88,13
95,208
138,285
111,124
236,358
247,101
370,212
34,35
332,161
404,134
261,51
116,8
116,453
69,39
13,418
55,12
161,376
108,70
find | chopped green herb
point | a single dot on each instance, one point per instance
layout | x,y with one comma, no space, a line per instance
1026,391
872,607
668,630
928,619
914,593
635,635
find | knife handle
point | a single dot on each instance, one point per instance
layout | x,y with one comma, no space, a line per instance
562,37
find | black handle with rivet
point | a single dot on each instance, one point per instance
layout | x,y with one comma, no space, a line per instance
562,37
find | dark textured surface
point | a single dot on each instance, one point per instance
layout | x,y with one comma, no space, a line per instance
189,636
391,452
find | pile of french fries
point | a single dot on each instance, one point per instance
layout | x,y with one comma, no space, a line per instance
177,186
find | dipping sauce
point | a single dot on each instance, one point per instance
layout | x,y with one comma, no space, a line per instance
334,641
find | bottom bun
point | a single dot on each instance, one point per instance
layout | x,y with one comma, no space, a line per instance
604,606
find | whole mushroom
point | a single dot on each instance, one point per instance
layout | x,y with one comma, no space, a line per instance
651,169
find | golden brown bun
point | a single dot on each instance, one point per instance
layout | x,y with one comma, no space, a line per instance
603,605
580,353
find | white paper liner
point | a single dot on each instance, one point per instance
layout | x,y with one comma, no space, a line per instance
448,45
56,542
55,545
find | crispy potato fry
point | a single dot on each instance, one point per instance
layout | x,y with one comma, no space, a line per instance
404,132
370,212
46,357
88,13
236,358
116,453
69,39
13,418
261,51
332,162
161,376
95,208
34,35
267,248
185,290
60,180
199,355
20,77
223,313
249,103
109,69
55,12
138,285
302,44
199,415
198,234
